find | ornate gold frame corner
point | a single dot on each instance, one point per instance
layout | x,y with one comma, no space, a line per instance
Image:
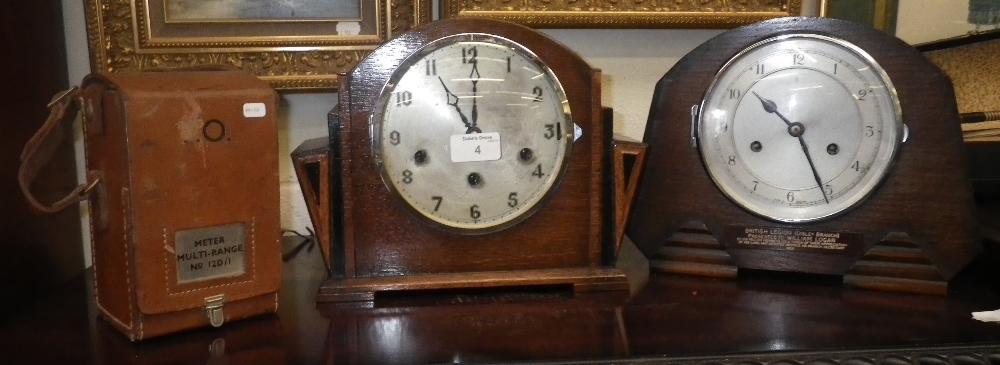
623,13
120,40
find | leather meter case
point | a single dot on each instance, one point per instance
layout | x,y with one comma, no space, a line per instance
182,181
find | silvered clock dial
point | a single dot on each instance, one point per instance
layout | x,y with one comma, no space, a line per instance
472,132
800,127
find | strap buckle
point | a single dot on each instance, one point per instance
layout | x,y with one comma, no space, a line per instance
58,98
91,186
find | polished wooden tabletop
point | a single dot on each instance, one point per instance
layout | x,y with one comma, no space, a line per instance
760,318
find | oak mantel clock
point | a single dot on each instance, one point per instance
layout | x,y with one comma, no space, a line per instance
808,145
468,153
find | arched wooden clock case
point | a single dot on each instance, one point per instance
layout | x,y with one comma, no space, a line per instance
378,244
913,233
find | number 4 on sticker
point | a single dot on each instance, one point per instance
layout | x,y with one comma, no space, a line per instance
475,147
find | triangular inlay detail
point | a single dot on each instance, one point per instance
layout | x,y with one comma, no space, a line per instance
693,250
896,263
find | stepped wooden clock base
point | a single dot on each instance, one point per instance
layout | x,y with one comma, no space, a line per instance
582,280
693,251
896,263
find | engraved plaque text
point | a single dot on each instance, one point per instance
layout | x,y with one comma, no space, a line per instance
790,239
210,252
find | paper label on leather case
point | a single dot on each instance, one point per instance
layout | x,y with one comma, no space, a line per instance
790,239
210,252
254,110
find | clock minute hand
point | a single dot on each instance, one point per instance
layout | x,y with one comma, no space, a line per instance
795,130
812,166
450,95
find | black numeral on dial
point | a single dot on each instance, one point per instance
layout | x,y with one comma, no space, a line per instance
553,130
512,200
404,98
469,55
798,58
537,92
538,172
430,67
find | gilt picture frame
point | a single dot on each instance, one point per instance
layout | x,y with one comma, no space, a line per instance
624,13
293,45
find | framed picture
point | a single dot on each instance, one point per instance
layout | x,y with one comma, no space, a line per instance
878,14
624,13
293,45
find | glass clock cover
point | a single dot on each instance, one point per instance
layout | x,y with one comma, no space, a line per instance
472,132
799,127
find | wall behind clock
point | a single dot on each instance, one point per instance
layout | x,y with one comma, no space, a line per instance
36,255
632,60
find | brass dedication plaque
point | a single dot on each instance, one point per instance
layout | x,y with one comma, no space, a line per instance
790,239
210,252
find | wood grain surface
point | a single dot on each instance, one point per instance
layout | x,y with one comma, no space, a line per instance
762,318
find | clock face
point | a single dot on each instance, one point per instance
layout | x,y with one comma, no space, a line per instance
472,132
800,127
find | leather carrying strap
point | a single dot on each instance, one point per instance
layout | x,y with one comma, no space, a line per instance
42,146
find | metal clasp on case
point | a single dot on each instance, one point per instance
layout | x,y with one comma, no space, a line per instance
213,309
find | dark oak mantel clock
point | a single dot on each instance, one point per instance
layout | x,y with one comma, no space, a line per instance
465,153
807,145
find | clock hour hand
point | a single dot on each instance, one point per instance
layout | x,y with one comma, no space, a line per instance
795,130
771,107
469,127
474,76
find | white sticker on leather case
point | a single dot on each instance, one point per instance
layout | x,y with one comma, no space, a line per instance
254,110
